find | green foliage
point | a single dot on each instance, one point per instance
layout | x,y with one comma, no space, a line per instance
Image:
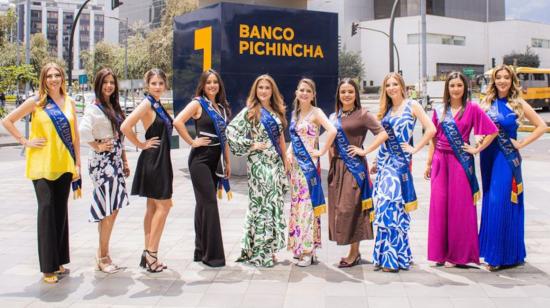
350,65
11,76
528,58
103,55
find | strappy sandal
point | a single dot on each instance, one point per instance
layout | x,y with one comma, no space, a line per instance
143,262
345,264
491,268
50,278
155,266
108,268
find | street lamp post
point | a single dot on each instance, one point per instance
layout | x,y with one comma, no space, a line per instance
125,57
356,26
392,20
73,27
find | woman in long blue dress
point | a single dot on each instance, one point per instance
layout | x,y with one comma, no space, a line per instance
393,204
501,237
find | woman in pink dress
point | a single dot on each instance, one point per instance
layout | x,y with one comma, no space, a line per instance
452,230
307,199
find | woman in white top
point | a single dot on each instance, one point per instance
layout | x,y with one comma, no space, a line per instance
100,128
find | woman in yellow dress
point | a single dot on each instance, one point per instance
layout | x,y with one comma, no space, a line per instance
53,163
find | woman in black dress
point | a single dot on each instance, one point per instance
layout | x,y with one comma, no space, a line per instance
209,105
153,175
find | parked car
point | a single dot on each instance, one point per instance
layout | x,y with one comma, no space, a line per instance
83,99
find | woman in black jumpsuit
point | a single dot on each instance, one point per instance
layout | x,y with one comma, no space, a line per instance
204,160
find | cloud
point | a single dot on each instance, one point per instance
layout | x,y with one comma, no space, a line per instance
534,10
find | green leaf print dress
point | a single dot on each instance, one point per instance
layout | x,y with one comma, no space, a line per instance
264,227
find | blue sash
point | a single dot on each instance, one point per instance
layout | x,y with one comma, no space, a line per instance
310,172
63,128
510,153
219,124
403,170
355,164
272,129
161,112
466,159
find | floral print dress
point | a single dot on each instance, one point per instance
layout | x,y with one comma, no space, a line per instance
304,229
264,228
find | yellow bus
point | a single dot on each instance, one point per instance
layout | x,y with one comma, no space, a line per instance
535,85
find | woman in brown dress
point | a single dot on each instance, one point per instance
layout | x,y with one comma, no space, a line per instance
349,221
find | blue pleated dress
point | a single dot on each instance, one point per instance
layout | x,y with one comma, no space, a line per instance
501,237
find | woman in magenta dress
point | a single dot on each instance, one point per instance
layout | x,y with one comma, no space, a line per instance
452,229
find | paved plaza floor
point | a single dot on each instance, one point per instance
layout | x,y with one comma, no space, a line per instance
190,284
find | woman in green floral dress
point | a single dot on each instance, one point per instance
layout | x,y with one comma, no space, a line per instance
257,132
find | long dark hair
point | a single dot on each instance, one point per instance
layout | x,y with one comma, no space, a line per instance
357,104
221,97
111,108
447,95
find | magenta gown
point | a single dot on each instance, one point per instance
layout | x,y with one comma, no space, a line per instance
452,230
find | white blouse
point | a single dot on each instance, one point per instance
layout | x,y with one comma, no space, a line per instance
94,125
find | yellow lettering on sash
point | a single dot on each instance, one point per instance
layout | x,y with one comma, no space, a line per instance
244,30
288,34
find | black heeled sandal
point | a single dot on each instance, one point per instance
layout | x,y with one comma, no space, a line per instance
143,262
151,267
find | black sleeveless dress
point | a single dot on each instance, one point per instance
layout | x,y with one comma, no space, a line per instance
154,175
203,162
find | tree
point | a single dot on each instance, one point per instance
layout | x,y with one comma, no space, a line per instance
8,23
350,65
138,57
160,40
528,58
11,76
40,53
103,55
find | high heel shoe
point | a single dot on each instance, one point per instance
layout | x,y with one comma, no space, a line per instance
344,263
143,262
155,266
307,260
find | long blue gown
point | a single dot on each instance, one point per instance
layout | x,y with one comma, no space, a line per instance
501,237
391,249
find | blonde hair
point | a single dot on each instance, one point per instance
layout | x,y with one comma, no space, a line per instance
385,101
43,87
276,101
296,103
513,95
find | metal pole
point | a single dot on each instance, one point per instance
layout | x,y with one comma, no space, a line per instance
392,20
424,57
27,59
70,68
126,67
394,46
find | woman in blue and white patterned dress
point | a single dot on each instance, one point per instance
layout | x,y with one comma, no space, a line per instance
392,220
100,128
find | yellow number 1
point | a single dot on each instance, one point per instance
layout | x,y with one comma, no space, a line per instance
203,40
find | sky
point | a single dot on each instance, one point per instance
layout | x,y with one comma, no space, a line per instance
532,10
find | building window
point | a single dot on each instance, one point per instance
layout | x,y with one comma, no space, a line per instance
439,39
540,43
